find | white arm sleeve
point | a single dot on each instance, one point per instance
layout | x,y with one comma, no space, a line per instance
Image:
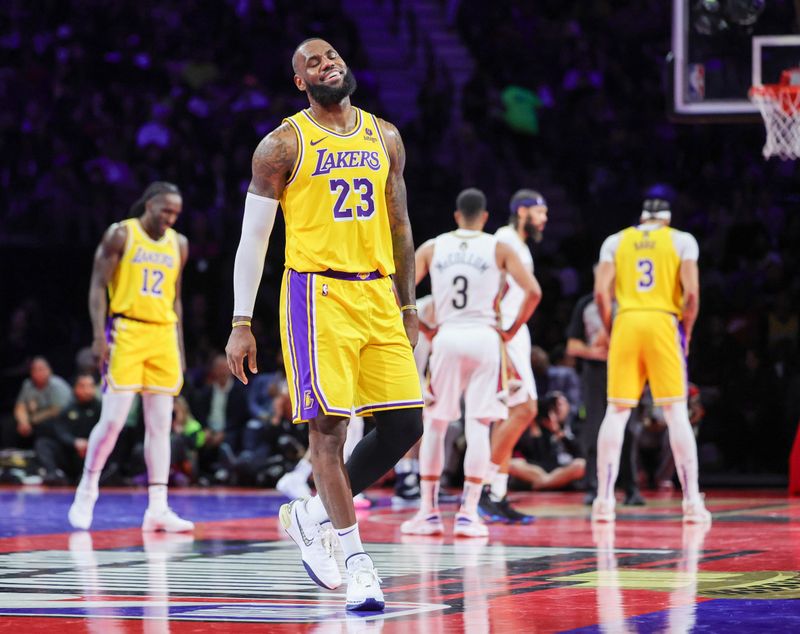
259,216
609,248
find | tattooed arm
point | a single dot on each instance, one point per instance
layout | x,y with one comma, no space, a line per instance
402,240
273,161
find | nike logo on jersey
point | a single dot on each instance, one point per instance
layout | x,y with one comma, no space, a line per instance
319,140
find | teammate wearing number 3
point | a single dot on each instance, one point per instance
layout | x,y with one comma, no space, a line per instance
653,271
337,173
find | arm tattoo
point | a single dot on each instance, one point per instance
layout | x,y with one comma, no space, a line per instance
396,202
273,160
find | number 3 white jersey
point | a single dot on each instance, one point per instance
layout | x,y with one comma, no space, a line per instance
465,278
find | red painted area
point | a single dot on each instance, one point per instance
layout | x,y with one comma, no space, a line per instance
517,590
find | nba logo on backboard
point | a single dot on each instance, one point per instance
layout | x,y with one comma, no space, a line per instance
308,400
697,82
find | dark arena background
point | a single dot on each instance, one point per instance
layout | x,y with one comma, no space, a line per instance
597,105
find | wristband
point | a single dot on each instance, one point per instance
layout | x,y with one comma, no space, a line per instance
241,322
408,307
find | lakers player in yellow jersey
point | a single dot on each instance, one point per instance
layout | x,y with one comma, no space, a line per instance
652,270
135,307
337,173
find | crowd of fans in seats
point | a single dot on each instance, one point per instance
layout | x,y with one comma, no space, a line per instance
101,97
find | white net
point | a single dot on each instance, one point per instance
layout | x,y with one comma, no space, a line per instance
780,107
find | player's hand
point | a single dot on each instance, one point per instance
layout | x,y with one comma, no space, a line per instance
506,335
241,344
411,324
100,353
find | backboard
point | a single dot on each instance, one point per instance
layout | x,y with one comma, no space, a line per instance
720,48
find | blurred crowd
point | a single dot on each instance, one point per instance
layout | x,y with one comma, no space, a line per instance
102,96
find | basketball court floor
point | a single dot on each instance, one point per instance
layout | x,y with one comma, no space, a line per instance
239,573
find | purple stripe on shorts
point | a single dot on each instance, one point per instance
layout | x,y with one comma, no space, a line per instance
298,314
106,363
313,313
390,404
352,277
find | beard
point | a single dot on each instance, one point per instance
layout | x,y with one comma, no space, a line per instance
330,95
534,234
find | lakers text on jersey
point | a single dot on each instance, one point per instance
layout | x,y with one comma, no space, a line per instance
141,332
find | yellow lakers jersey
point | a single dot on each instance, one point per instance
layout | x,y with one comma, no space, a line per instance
143,286
334,202
648,270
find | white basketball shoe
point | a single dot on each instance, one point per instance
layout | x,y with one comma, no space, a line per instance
469,526
603,510
695,512
316,544
82,509
364,592
429,523
166,520
293,485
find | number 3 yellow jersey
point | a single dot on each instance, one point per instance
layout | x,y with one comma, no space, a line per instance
334,203
144,283
647,263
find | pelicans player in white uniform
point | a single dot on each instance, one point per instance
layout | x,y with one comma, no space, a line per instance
467,268
136,311
528,219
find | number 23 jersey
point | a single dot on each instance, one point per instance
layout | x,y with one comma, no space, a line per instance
334,202
647,263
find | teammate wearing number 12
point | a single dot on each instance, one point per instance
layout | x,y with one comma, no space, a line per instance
337,173
653,271
136,311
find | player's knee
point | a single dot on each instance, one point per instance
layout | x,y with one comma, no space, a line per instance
526,412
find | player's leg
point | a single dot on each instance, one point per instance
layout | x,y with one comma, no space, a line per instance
522,408
157,426
626,377
446,387
355,432
666,366
113,414
476,461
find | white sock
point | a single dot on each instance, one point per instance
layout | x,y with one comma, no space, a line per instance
429,495
684,448
157,424
302,469
491,472
609,446
472,493
499,486
116,406
157,498
478,455
316,509
350,539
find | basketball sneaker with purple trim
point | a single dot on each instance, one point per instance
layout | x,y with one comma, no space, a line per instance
429,523
315,542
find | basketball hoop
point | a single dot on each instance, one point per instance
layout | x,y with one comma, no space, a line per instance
780,106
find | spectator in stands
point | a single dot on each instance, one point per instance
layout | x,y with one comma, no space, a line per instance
40,401
551,458
186,439
562,377
61,449
221,407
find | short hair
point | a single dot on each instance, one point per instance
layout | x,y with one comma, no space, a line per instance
471,202
526,198
83,374
299,46
156,188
